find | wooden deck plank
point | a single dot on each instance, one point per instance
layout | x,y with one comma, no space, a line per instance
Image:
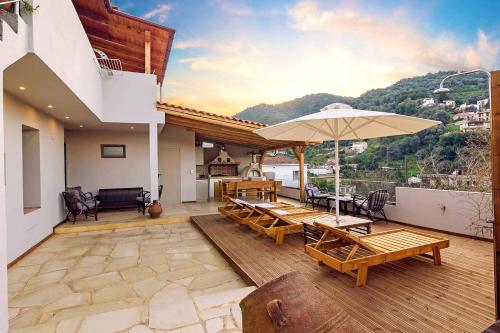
409,295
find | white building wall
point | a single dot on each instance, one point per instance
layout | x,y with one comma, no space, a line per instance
61,42
25,230
86,168
4,322
130,97
284,172
178,137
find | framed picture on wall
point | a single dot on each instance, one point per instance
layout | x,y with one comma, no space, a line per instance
113,151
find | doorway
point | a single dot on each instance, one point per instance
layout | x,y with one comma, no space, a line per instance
169,169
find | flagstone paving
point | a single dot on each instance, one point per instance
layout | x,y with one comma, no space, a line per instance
151,279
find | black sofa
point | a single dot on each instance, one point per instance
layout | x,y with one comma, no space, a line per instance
112,198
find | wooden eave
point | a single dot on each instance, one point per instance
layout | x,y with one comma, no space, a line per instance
215,128
122,36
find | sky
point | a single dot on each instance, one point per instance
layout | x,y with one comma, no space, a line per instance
231,54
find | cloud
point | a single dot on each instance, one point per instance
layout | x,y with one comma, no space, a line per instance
197,43
234,7
160,12
393,35
343,49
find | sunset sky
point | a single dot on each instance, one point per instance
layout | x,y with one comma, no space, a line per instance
229,55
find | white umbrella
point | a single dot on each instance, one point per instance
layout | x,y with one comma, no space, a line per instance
338,122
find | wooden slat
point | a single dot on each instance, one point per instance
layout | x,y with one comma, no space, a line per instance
495,158
409,295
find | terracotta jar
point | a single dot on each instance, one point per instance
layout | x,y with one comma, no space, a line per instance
155,210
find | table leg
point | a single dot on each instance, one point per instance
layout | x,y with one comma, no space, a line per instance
345,207
328,209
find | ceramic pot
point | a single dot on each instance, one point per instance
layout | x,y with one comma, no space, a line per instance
155,210
7,7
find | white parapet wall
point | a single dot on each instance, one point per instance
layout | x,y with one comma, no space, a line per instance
458,212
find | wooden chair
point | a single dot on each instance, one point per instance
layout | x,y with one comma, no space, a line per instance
371,205
361,252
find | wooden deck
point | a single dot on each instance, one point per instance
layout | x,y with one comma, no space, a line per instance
410,295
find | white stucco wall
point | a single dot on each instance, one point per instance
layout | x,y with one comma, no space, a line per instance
61,42
424,207
4,322
25,230
86,168
178,137
130,97
284,172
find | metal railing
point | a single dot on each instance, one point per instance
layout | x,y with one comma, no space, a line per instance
107,66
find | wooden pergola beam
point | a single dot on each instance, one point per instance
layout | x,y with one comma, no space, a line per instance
299,153
495,160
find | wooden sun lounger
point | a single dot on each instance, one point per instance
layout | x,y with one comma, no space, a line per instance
243,212
276,223
364,251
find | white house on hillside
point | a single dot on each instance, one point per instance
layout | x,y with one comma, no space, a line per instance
285,168
428,101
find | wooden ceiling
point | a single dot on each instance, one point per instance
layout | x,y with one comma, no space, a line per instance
122,36
215,128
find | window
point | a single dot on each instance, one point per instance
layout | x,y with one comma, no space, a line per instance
113,151
31,169
295,174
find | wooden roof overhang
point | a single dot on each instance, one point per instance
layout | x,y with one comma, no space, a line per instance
123,36
215,128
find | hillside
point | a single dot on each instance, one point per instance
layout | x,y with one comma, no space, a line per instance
442,143
396,98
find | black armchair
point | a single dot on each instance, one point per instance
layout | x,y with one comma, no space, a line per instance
79,203
371,205
144,199
314,194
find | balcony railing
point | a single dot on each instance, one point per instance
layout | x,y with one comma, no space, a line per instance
107,66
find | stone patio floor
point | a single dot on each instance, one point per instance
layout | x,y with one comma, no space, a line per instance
164,278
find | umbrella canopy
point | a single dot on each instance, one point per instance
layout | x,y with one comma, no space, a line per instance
337,122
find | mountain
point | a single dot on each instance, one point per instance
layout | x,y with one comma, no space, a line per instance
400,97
442,143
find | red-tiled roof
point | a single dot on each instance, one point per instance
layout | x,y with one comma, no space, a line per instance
210,114
280,159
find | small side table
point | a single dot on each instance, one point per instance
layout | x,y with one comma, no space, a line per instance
343,201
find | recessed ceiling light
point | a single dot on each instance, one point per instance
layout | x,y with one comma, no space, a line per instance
131,127
81,125
67,117
22,88
50,106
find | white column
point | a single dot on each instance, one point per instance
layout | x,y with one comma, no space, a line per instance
4,317
153,160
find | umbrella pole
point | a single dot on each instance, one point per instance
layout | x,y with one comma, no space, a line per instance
337,181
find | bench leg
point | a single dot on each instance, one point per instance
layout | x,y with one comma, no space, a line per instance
362,274
280,237
436,255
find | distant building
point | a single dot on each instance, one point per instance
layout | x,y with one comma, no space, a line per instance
465,116
285,168
462,107
357,147
322,170
484,115
474,125
428,101
449,103
482,103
